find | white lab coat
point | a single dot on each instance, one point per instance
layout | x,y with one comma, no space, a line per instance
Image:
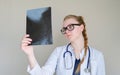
55,63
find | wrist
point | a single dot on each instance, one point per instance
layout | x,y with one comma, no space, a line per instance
32,61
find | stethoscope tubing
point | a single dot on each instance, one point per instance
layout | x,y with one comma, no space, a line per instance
88,58
67,51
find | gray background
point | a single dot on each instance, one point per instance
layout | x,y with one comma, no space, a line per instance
103,27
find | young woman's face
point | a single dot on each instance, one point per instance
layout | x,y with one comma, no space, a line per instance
74,34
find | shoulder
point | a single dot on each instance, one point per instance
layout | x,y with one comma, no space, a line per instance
95,53
60,49
63,47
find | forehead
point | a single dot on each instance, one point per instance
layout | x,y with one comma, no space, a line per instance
70,21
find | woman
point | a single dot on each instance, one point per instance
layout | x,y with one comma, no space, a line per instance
76,58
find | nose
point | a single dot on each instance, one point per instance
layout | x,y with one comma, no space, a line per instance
67,31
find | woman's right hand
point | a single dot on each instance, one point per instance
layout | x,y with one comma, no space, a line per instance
27,49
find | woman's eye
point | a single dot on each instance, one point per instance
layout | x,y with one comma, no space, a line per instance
70,27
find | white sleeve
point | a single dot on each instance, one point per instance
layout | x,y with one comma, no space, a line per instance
35,71
101,65
48,68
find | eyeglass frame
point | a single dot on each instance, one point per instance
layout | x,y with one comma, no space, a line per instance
63,30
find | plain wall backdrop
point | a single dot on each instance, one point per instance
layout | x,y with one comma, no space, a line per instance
102,19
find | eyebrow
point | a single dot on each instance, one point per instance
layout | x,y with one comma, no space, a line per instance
72,24
75,24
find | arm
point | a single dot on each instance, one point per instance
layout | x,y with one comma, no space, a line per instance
28,50
34,68
48,68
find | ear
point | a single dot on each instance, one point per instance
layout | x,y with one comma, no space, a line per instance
82,27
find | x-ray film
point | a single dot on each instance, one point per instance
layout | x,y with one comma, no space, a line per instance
39,26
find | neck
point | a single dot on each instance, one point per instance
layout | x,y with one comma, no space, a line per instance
78,45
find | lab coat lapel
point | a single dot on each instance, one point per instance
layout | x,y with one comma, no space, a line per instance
93,67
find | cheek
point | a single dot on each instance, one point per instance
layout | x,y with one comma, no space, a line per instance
77,32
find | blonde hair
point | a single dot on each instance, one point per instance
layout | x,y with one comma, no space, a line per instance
84,33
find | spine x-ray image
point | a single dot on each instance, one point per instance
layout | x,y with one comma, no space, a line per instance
39,26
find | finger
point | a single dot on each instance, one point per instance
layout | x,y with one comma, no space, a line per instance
26,41
25,44
26,36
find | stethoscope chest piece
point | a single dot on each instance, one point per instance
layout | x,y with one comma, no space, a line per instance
87,70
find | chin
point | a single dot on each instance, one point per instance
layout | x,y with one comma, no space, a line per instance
70,40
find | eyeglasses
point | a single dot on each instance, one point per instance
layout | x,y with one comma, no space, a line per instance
70,27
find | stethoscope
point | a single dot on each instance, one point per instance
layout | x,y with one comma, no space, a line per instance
68,53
